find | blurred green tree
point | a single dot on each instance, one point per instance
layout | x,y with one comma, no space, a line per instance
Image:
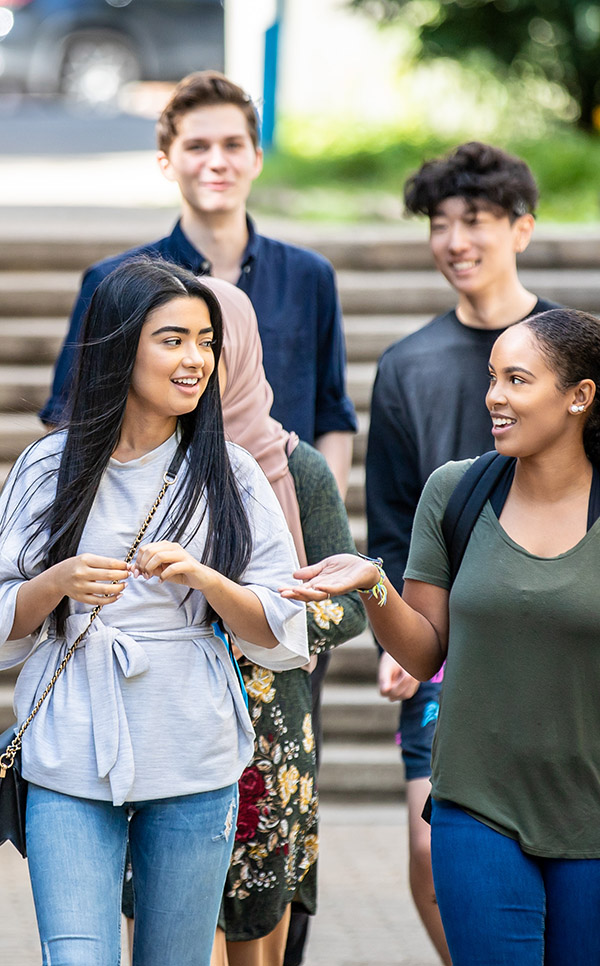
555,39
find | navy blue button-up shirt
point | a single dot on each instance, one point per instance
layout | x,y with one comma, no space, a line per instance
294,295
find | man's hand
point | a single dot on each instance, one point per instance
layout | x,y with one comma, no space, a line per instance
394,682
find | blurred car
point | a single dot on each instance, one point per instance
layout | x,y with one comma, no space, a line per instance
87,50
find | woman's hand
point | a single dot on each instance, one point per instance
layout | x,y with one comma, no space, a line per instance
170,561
332,576
90,579
394,682
87,578
239,606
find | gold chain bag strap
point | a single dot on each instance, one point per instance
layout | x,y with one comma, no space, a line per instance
13,787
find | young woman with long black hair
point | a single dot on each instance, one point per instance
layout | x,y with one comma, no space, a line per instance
516,756
146,732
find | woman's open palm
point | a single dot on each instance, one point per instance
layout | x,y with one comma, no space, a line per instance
332,576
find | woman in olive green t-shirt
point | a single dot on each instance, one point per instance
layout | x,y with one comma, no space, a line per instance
516,757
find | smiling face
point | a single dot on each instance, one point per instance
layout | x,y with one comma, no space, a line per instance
212,159
475,247
530,414
174,361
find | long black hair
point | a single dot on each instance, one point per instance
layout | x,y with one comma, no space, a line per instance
109,344
570,342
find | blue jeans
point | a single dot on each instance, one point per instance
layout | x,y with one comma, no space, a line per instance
180,850
418,717
502,907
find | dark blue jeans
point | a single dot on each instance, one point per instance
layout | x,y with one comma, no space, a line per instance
502,907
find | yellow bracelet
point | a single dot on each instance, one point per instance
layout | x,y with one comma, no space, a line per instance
379,590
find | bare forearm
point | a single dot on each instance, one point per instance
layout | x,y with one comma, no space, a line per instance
405,634
241,610
414,630
337,450
36,599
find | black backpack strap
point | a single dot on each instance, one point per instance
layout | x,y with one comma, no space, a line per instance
467,501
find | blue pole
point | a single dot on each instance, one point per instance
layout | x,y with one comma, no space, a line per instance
270,79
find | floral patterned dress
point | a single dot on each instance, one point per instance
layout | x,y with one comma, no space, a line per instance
276,844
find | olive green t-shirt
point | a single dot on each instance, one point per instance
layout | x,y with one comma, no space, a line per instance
517,742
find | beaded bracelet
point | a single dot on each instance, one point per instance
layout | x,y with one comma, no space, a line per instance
379,590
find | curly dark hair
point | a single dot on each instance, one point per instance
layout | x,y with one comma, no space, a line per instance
570,342
483,175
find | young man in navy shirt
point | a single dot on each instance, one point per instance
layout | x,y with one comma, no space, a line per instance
428,407
208,141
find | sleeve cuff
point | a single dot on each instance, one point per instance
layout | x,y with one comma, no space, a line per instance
288,626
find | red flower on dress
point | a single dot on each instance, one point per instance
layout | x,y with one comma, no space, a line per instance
251,785
247,822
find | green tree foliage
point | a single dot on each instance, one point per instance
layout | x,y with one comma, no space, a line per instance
557,39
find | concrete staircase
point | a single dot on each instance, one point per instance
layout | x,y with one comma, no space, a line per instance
387,288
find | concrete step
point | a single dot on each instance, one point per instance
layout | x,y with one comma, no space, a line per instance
18,430
354,662
357,712
376,250
358,529
367,336
355,497
420,292
360,379
361,292
370,247
360,439
37,293
26,340
62,254
358,770
24,388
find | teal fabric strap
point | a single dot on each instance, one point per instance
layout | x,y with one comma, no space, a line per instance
219,633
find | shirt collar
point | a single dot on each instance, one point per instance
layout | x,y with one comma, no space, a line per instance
189,257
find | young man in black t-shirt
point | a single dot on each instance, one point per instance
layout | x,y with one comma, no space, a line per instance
428,407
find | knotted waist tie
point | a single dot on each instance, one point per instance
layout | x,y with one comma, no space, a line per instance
108,649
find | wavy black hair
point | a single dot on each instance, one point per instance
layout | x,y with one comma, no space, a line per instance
109,344
570,342
485,176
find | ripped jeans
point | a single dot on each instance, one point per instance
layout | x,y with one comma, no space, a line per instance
180,850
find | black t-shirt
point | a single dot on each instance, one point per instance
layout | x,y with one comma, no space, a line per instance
428,407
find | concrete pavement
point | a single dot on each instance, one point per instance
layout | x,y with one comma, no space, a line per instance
366,916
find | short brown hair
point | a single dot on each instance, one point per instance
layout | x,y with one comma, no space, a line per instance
204,88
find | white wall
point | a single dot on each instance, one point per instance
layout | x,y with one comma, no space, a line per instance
245,25
332,60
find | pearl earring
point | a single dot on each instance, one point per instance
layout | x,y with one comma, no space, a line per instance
577,409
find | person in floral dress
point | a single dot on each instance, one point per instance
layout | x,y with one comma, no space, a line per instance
274,861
